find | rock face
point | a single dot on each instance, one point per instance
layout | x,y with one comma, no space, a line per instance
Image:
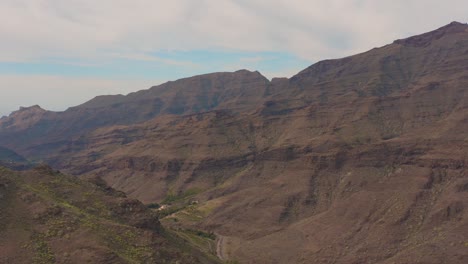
355,160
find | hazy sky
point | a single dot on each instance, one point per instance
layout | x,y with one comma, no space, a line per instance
60,53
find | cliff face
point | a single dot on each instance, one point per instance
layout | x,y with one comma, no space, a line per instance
355,160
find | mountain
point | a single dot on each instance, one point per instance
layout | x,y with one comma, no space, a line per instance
34,132
49,217
354,160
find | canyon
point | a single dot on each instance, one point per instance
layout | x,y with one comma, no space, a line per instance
354,160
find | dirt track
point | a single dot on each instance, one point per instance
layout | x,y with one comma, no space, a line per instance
220,247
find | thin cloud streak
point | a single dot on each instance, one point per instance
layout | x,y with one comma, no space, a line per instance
146,57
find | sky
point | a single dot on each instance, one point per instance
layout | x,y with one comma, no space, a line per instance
58,53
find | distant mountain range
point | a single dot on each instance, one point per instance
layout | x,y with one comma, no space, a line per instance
354,160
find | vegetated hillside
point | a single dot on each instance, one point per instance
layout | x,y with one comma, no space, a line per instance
48,217
355,160
35,133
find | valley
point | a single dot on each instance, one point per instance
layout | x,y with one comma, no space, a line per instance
353,160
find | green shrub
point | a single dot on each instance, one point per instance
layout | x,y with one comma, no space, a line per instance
153,206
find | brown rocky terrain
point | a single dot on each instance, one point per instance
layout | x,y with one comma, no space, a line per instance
354,160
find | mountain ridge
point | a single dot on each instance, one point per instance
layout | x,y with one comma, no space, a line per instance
425,38
355,160
451,28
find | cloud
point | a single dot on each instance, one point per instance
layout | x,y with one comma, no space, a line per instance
309,29
146,57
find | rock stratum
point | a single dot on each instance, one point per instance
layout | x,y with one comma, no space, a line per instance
354,160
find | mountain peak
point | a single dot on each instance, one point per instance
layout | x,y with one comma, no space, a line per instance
247,71
31,108
456,23
25,115
427,38
453,27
